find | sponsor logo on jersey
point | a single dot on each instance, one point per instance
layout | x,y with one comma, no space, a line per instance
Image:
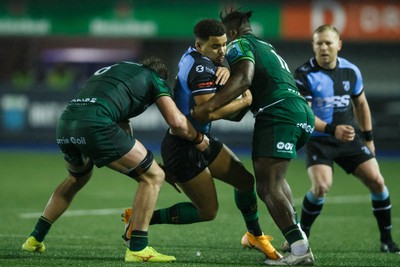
206,84
285,147
199,68
333,101
83,101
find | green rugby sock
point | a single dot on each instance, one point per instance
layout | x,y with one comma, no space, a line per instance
292,234
247,203
42,227
139,240
180,213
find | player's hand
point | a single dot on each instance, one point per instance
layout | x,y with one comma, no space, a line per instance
203,146
170,178
247,96
371,146
200,113
345,133
222,75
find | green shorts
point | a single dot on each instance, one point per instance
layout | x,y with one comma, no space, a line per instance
101,141
282,129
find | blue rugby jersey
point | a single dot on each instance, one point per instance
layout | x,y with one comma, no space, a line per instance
330,91
196,76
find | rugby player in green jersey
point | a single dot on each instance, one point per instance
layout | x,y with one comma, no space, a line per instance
199,77
94,129
283,124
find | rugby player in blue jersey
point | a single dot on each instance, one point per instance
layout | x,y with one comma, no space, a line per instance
283,123
334,88
198,79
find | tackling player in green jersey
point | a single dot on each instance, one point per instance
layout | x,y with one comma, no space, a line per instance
94,129
283,123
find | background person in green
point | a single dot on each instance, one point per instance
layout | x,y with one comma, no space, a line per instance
200,76
94,129
283,123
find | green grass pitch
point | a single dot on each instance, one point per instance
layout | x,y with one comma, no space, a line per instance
90,233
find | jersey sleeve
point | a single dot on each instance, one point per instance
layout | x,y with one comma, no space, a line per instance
160,86
300,77
202,78
359,86
239,49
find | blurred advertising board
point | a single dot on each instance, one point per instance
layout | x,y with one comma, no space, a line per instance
287,19
30,119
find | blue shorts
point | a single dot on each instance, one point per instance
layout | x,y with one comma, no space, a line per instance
182,159
326,150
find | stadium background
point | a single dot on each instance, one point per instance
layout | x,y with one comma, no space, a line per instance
41,36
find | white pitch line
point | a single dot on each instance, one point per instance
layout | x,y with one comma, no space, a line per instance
71,213
342,199
102,212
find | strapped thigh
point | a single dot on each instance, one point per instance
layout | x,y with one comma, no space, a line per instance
142,167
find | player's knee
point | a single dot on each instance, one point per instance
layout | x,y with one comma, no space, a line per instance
83,174
247,181
320,190
143,166
208,215
263,191
376,184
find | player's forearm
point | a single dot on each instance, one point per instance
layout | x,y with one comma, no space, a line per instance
181,126
320,125
363,115
233,107
235,86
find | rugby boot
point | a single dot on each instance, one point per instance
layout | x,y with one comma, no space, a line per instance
261,243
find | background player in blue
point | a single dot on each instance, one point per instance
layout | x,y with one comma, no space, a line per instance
283,123
94,130
194,171
334,88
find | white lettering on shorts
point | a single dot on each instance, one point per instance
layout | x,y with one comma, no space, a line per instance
284,147
306,127
74,140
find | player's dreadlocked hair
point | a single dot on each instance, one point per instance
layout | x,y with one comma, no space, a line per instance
236,18
208,27
157,65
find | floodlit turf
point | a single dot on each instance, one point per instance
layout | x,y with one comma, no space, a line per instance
344,235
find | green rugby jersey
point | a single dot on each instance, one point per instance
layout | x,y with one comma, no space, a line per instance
124,90
272,79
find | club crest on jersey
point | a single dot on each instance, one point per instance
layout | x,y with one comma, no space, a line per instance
346,85
233,52
199,68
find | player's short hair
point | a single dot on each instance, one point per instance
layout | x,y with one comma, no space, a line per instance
326,27
208,27
236,18
157,65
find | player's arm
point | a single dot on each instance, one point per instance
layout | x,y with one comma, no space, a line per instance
363,115
242,73
232,108
235,110
343,132
222,75
179,124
